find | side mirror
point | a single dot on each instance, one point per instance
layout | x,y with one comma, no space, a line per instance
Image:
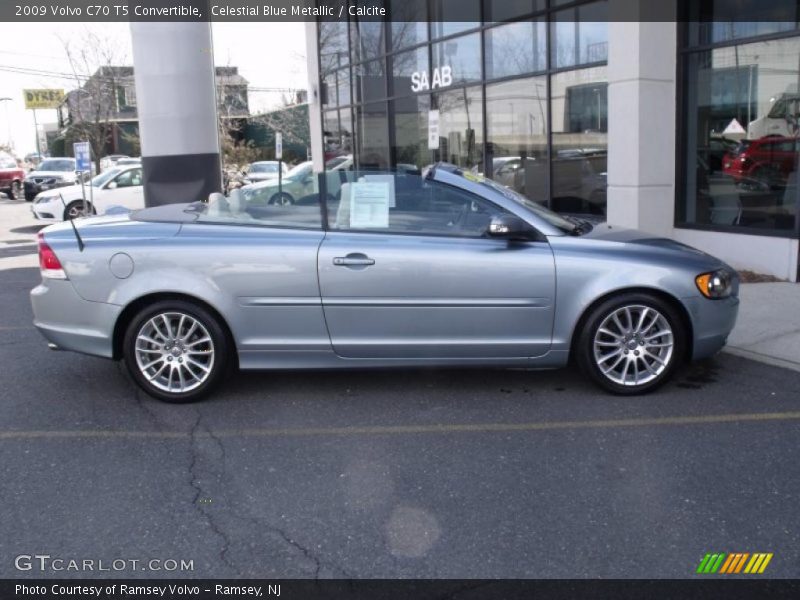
509,227
112,185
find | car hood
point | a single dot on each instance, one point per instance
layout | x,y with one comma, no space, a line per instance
639,241
68,192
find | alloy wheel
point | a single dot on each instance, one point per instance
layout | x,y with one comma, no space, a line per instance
175,352
633,345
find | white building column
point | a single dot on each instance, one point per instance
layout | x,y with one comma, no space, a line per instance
177,107
314,100
641,122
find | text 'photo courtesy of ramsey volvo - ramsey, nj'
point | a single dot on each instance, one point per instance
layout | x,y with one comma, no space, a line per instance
379,269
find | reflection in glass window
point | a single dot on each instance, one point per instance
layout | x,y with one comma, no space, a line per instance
411,132
516,129
333,45
368,38
468,13
460,127
407,68
743,119
373,136
409,23
337,134
370,81
456,61
503,10
712,22
579,109
515,49
579,35
337,88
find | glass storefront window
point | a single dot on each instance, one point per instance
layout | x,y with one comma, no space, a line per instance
456,61
368,40
373,136
406,70
337,88
460,127
370,81
337,134
714,22
411,131
579,108
516,130
742,122
516,49
503,10
409,23
579,35
444,13
334,46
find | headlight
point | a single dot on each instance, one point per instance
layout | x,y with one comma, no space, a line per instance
717,284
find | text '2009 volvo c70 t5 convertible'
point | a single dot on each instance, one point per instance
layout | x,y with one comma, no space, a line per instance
440,268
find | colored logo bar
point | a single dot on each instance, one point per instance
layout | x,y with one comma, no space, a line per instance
735,562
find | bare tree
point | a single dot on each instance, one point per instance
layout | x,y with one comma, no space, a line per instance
101,83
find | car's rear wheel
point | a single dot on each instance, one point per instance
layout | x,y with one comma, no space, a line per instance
176,351
281,199
631,344
76,209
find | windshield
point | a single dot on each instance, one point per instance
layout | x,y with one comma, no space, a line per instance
105,176
264,168
59,164
300,170
7,163
546,214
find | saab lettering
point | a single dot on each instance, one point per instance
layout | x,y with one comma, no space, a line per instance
442,77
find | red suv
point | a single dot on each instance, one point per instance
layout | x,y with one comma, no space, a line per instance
764,163
11,177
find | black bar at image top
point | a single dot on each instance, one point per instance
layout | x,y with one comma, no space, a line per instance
65,11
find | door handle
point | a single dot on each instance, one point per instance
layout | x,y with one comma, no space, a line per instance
353,260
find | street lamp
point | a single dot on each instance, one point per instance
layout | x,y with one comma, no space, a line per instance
8,122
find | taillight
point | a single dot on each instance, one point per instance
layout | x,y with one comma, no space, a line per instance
49,264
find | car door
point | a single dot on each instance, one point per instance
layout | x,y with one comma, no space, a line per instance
425,281
125,189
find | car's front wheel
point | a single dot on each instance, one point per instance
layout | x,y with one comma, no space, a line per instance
176,351
631,344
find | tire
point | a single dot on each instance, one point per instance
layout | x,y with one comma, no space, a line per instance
15,191
627,360
29,197
281,199
161,364
74,210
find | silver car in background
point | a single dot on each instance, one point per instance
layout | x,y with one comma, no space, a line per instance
441,268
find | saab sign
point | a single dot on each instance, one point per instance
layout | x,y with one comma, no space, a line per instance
442,77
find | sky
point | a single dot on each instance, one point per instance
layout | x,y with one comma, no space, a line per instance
269,55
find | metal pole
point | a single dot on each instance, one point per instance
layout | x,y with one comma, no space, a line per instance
91,187
83,194
36,130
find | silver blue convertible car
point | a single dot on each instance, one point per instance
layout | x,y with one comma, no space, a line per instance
440,268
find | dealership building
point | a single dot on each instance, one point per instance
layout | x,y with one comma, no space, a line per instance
684,127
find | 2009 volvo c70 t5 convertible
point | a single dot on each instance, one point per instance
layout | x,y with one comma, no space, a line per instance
443,268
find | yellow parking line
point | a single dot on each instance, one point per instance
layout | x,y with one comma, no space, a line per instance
408,429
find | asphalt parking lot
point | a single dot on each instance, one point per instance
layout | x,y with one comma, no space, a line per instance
447,474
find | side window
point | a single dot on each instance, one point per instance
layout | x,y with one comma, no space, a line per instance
129,178
263,205
408,204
